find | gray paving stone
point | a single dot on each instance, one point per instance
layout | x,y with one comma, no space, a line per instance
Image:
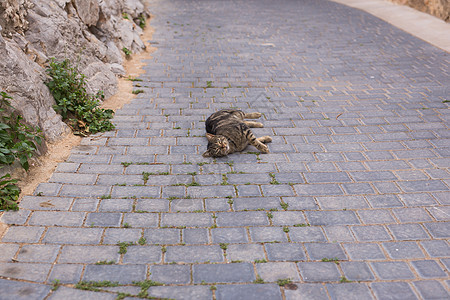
142,254
438,230
38,253
152,205
15,217
162,235
422,186
272,271
376,216
341,202
186,205
181,292
36,272
412,214
287,218
193,254
285,252
248,292
357,188
22,234
356,270
318,251
364,251
217,204
381,201
393,290
115,235
245,252
436,248
338,233
332,217
431,289
402,250
116,205
306,234
417,199
223,273
229,235
8,251
66,273
248,190
371,233
45,203
254,203
53,218
85,204
429,269
267,234
88,191
195,236
389,270
103,219
300,203
61,235
307,291
23,290
141,219
318,189
319,271
137,191
245,218
186,219
408,232
123,274
349,291
171,274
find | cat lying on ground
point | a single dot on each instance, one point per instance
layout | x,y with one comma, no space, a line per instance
227,132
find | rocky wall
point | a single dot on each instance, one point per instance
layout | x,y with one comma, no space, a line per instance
90,33
438,8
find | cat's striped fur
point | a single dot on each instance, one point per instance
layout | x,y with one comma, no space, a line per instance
227,132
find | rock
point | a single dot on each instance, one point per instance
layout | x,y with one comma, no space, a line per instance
88,11
438,8
91,33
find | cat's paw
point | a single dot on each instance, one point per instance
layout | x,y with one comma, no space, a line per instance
264,149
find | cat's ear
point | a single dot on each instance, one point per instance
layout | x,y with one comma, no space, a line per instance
207,153
210,137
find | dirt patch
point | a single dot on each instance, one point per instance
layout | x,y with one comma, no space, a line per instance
43,167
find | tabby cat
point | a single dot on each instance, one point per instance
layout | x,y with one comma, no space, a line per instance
227,132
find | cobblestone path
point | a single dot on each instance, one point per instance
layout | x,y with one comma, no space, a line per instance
351,203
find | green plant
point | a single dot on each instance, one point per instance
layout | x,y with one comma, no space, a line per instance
142,22
284,205
126,51
94,285
55,284
145,285
105,196
269,215
282,282
223,246
9,193
273,181
344,280
145,176
213,288
258,280
137,91
105,262
125,16
286,229
260,261
123,247
79,109
334,259
209,84
126,164
224,179
301,225
126,225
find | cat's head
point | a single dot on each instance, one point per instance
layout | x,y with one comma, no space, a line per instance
217,146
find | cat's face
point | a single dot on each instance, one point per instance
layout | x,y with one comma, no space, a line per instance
217,146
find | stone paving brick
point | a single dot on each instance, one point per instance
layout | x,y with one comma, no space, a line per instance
66,273
402,250
318,189
408,232
285,252
287,218
318,251
46,203
245,252
223,273
389,270
300,203
431,289
248,291
306,234
162,235
186,219
413,214
61,235
393,290
38,253
436,248
229,235
70,293
254,203
364,251
8,251
195,236
171,274
123,274
22,290
429,269
245,218
85,204
357,188
15,217
193,254
103,219
306,291
137,255
29,234
378,216
36,272
88,254
332,217
271,272
371,233
115,235
152,205
417,199
181,292
349,291
341,202
356,270
381,201
52,218
141,219
319,271
338,233
267,234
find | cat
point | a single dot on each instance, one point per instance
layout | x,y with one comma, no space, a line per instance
227,132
